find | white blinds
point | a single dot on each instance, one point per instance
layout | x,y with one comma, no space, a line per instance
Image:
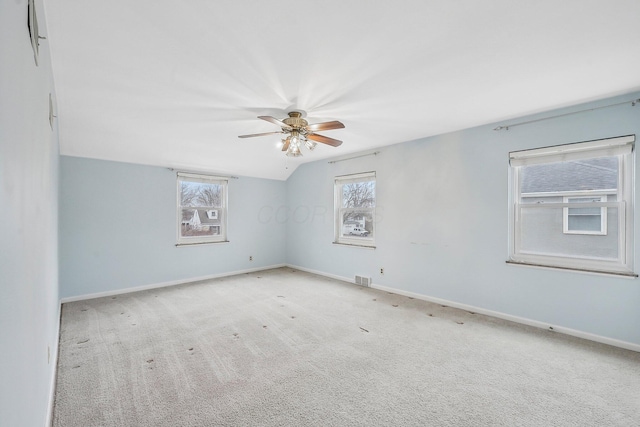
204,179
570,152
359,177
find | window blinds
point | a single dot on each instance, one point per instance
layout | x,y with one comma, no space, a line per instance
579,151
204,179
358,177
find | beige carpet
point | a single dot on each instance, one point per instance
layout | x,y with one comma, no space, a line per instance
287,348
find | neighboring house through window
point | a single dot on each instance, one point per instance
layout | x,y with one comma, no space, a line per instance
355,204
572,206
202,209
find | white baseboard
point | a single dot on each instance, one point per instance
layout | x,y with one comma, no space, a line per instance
321,273
165,284
522,320
54,359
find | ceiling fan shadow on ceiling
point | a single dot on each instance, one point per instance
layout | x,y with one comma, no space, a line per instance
299,132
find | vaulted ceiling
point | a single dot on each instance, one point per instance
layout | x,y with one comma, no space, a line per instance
173,83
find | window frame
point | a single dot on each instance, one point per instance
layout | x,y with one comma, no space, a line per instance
206,179
603,215
623,148
339,210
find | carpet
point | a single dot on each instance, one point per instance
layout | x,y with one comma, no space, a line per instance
287,348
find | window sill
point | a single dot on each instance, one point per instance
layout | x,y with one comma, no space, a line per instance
201,243
577,270
354,245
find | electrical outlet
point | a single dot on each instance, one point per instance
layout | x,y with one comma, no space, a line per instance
250,257
381,270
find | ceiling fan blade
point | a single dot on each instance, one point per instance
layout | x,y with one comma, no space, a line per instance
325,126
285,145
258,134
275,121
324,139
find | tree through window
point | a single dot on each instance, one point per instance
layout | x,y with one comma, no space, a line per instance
355,208
202,209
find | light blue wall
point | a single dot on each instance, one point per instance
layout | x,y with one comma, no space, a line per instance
443,224
442,230
28,223
118,228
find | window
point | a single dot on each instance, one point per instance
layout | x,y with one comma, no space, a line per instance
355,206
202,209
572,206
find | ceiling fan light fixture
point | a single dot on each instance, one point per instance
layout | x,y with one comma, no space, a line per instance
295,137
299,132
294,148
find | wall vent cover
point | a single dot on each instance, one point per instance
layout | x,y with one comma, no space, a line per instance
363,281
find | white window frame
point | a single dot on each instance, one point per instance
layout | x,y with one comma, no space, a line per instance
207,179
622,147
566,214
339,181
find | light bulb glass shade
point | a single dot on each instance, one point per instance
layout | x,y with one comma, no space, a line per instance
294,150
295,137
310,144
294,145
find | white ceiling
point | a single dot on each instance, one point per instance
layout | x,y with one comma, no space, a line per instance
174,83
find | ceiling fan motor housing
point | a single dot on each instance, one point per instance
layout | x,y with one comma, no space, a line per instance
295,120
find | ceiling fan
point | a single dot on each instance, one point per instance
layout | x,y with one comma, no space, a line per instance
298,131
